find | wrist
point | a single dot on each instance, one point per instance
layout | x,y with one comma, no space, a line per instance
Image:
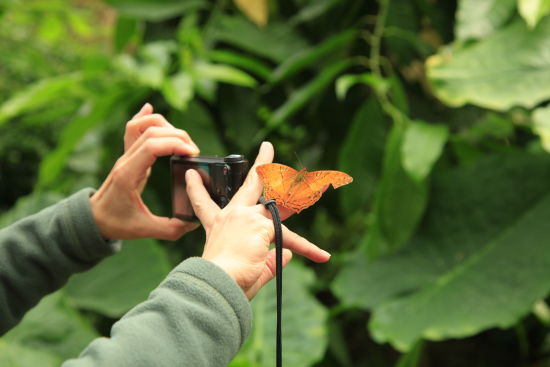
99,216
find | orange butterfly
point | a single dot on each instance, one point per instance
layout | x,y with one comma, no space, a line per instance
297,190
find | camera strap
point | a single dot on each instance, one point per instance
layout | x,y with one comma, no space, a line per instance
270,204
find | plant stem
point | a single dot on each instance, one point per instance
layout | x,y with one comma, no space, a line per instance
375,62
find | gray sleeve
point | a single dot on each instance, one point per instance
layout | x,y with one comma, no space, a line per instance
198,316
40,252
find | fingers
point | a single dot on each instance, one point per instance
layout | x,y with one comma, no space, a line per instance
134,166
143,121
302,246
168,228
203,205
250,191
147,109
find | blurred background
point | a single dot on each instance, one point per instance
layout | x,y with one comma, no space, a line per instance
438,109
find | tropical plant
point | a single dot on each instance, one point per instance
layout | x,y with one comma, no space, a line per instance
437,109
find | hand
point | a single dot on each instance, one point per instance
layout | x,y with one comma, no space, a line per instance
117,206
238,236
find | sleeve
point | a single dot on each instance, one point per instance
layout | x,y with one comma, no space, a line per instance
40,252
198,316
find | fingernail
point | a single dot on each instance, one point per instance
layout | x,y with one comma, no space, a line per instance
327,253
195,146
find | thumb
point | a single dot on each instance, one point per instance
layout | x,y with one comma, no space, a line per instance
203,205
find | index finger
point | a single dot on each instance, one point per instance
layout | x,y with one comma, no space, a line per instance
251,190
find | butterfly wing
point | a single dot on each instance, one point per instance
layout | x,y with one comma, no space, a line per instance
311,188
277,180
317,180
297,190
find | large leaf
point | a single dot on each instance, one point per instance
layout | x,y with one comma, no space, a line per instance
242,61
90,116
422,145
53,327
223,73
477,19
509,68
303,324
198,123
178,90
479,261
154,10
311,57
399,202
38,95
361,154
300,97
119,282
276,41
533,10
16,355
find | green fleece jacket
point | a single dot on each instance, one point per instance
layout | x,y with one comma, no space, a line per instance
198,316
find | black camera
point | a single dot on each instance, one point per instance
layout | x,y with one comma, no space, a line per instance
222,177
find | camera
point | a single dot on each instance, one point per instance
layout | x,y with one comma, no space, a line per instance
222,177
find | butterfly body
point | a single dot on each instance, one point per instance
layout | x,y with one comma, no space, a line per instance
297,190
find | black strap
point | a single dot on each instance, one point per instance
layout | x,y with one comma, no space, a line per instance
270,204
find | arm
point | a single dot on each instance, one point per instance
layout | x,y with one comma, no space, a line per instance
197,317
39,253
200,315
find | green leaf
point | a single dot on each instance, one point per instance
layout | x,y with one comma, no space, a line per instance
399,202
300,97
126,28
178,90
312,56
422,145
238,109
91,115
541,126
242,61
509,68
154,10
313,10
120,282
53,327
477,19
224,73
533,10
479,261
345,82
303,324
198,123
15,355
365,143
276,41
51,28
38,95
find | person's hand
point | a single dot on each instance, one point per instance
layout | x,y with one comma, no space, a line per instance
117,206
238,237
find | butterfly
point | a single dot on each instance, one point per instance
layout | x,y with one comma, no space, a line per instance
297,190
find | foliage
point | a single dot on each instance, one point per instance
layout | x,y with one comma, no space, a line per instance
437,109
